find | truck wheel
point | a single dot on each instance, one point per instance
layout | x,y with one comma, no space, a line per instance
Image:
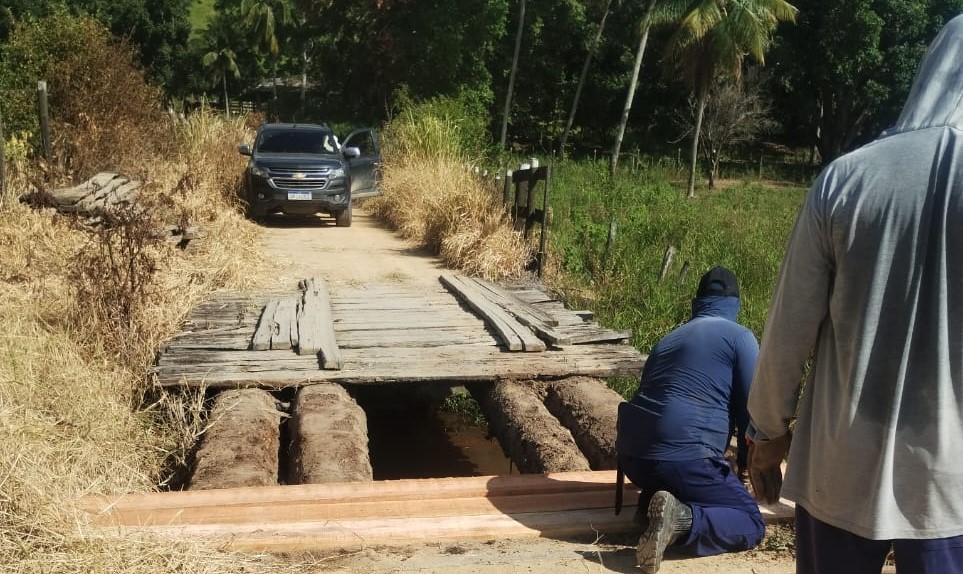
343,218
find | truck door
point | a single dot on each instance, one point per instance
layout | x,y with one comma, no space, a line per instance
365,166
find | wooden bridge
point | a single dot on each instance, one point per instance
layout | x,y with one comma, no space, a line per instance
464,330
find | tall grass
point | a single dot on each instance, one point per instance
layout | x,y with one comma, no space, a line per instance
77,412
431,197
743,226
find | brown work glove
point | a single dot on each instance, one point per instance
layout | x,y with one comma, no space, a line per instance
765,473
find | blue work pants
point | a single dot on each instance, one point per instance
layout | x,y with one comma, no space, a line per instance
825,549
725,517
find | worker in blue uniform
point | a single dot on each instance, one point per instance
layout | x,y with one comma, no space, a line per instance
673,433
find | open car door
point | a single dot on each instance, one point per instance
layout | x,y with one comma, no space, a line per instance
362,155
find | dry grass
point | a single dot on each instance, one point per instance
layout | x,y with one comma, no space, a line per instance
431,198
77,413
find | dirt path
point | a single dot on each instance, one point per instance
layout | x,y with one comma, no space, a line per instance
369,254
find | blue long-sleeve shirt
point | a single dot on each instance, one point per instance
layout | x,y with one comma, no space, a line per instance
694,387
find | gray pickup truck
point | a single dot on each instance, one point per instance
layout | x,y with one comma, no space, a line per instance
302,169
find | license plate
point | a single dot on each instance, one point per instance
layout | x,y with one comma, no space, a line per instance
299,195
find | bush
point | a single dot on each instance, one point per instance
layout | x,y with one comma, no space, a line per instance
103,114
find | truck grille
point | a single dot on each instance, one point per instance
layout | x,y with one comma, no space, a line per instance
299,179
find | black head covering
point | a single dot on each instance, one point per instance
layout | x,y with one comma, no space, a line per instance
718,282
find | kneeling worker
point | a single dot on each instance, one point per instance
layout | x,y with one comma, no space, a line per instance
673,434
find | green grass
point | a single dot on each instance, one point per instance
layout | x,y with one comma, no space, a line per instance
743,226
201,12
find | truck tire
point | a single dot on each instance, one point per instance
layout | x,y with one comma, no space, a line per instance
343,218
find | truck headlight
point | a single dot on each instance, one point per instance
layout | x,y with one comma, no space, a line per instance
337,172
258,172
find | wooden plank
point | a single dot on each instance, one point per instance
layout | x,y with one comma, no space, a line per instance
401,489
515,335
69,196
126,194
266,327
528,315
379,365
95,198
393,512
315,329
513,303
286,317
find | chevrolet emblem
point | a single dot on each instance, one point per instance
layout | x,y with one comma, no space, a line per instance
299,176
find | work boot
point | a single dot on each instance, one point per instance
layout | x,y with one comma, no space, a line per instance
669,520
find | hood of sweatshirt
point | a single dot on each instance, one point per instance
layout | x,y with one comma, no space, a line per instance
716,306
936,98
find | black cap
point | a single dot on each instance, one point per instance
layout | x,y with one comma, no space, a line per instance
718,282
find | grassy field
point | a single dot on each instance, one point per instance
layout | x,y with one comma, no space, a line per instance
609,238
201,12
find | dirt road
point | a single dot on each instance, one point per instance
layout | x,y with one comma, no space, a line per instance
369,254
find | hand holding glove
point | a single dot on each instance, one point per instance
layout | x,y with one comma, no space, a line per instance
765,473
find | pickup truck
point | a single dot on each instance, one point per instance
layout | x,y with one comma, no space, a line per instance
302,169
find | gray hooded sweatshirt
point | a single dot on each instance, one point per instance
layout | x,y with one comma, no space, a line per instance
871,288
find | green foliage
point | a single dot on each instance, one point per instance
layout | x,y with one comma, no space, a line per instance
158,28
743,227
860,59
103,114
201,13
453,127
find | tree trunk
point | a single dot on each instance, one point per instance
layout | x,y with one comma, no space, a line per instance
581,80
274,77
617,148
694,155
511,76
227,102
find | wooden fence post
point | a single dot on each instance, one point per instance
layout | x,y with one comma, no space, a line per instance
44,118
542,237
666,261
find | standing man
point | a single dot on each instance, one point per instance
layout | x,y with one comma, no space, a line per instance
673,434
870,295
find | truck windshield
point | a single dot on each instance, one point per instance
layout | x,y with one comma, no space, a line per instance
314,141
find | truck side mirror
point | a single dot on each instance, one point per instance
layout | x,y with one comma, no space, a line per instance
352,152
244,149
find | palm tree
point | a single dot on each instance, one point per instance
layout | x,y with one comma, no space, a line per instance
647,22
713,39
263,17
222,62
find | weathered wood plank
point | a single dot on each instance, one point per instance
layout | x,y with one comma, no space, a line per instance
266,327
515,335
390,364
530,316
286,317
240,339
315,329
67,197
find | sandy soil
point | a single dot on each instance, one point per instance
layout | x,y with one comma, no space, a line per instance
367,254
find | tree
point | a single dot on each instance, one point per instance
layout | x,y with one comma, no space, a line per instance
735,113
861,56
581,80
511,77
627,109
158,29
264,18
712,40
222,62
